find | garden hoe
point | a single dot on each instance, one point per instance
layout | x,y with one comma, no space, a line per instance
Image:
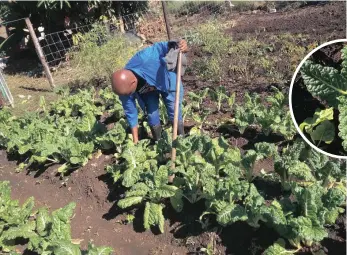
175,122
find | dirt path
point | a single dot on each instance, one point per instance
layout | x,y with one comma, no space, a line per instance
95,217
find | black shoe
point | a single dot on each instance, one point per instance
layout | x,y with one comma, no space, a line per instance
156,132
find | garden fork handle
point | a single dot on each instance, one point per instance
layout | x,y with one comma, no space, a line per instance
177,104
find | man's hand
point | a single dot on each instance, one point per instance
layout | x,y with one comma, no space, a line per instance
182,44
135,133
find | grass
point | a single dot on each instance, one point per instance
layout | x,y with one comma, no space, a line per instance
26,92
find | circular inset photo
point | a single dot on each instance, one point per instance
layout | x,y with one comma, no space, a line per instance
318,98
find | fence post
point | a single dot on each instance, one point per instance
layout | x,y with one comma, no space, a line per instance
119,17
167,22
40,52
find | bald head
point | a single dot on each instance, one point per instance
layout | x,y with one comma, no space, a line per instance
124,82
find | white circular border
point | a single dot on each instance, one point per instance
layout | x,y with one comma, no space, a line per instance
290,99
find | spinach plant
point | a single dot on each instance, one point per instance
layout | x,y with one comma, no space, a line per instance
330,86
43,232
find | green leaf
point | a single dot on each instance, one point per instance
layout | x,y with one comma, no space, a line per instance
146,222
231,213
300,171
343,120
248,161
140,189
324,82
166,191
344,62
318,117
324,132
130,177
24,231
27,208
43,222
76,160
153,216
103,250
161,176
304,229
65,248
266,150
61,229
278,248
129,201
331,216
335,197
177,201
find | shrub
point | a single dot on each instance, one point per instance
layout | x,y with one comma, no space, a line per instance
215,46
99,53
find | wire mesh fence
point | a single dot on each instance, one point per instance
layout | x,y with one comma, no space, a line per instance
57,45
148,26
143,28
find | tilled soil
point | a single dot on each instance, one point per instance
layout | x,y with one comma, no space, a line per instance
99,220
96,218
324,21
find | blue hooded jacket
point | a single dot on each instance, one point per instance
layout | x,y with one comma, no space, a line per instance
149,64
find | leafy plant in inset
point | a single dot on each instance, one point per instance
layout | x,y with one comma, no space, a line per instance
320,127
329,85
324,82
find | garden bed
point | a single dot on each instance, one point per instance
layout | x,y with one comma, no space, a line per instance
98,218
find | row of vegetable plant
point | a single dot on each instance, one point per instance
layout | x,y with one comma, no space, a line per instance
209,170
67,132
212,170
43,232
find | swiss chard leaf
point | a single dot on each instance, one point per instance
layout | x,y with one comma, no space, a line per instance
343,120
324,82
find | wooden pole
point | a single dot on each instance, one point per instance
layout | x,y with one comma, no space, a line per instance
178,87
40,52
167,21
177,105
